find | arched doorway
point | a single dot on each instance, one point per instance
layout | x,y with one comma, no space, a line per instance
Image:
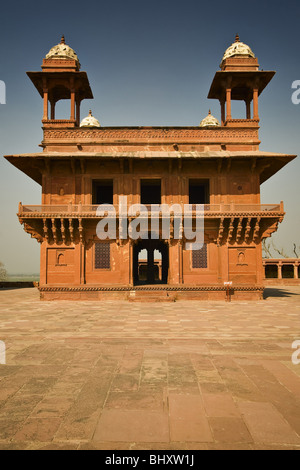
150,262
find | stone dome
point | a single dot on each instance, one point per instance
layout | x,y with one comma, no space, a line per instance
238,48
210,121
62,51
90,121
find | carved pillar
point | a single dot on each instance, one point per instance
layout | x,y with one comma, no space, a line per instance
296,274
45,228
63,230
71,230
80,227
54,230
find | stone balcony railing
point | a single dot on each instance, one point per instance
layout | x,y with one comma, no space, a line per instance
210,210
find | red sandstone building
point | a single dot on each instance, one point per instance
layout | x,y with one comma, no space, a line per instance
216,164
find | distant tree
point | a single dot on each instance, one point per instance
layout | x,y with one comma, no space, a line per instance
3,273
270,250
281,251
266,249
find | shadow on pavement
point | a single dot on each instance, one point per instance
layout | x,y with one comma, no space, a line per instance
271,292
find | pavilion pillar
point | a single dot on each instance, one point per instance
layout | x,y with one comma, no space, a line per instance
52,110
78,112
255,104
264,270
279,270
72,117
248,108
45,116
73,98
296,274
222,102
228,104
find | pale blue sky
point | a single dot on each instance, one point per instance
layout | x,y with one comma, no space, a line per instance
149,63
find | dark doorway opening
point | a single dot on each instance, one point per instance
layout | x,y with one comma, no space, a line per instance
271,271
150,192
103,192
150,262
199,191
288,272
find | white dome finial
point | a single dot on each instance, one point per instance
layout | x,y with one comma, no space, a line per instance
62,51
90,121
238,48
210,121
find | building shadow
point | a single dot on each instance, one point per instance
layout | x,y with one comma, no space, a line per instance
8,285
275,292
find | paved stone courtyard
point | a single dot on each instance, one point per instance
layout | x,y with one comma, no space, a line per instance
117,375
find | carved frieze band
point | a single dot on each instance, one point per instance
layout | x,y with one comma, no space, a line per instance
151,288
147,134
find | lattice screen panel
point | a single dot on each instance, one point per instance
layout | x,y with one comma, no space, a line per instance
102,256
199,258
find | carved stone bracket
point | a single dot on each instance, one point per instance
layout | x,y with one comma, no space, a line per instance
257,230
221,231
239,230
33,233
225,229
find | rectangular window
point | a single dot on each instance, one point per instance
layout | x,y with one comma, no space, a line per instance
102,256
199,258
150,192
199,192
103,192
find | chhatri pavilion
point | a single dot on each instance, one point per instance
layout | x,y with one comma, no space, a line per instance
216,164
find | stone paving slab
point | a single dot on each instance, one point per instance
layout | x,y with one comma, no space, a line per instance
175,376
